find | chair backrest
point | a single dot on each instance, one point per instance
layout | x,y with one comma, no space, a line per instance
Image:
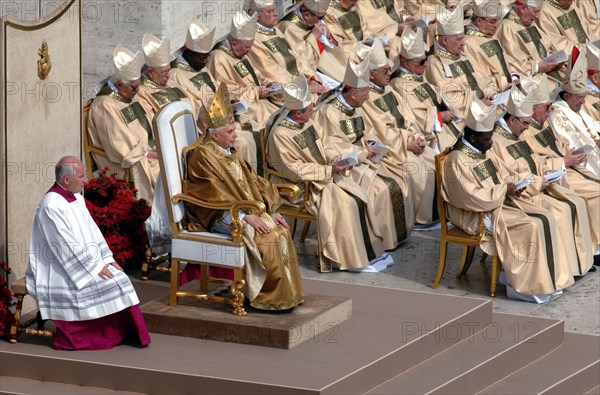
88,148
439,176
175,128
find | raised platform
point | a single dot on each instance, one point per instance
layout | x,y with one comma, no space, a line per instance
213,321
395,342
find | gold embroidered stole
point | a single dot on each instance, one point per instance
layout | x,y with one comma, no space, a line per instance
307,139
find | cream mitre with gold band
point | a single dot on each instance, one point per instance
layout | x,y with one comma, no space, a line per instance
531,3
539,89
450,23
357,75
128,66
487,8
577,75
481,118
199,37
317,6
243,26
296,94
220,112
519,104
413,45
263,3
375,55
157,52
593,57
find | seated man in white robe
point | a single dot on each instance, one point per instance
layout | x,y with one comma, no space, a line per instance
72,274
569,120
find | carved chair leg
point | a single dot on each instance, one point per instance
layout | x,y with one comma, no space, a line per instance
173,298
147,265
16,325
204,278
441,264
466,260
305,229
495,274
293,222
237,287
483,257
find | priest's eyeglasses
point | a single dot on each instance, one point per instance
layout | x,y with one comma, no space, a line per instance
420,61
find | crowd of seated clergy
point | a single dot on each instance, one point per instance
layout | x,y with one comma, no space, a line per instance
353,101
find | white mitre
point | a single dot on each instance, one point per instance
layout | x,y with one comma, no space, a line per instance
519,104
128,66
157,52
296,94
450,23
413,45
577,75
357,75
243,26
199,37
481,118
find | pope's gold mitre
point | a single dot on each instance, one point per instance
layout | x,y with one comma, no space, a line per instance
220,112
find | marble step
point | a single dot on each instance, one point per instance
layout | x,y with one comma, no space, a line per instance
17,386
573,368
506,344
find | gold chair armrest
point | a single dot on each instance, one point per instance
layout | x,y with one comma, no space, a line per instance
96,150
233,207
288,189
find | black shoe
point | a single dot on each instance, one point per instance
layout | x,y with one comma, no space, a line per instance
597,260
592,269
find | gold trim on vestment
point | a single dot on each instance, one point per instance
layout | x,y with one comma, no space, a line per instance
546,138
177,64
168,95
148,83
462,147
244,68
522,150
512,16
442,53
397,198
486,170
353,126
390,9
571,20
107,91
406,76
336,103
493,48
469,31
296,20
263,30
136,111
279,45
532,34
223,47
500,130
201,80
464,67
389,103
351,21
308,139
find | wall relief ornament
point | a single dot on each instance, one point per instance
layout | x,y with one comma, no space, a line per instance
44,64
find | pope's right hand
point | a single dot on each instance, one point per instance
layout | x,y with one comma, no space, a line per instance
257,223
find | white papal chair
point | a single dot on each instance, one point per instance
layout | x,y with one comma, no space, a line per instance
175,128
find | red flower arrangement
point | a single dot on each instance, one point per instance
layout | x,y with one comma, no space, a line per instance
7,301
120,216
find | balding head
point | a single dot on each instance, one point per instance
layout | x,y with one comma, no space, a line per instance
70,174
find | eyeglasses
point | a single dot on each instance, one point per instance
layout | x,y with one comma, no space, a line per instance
526,124
421,62
492,22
